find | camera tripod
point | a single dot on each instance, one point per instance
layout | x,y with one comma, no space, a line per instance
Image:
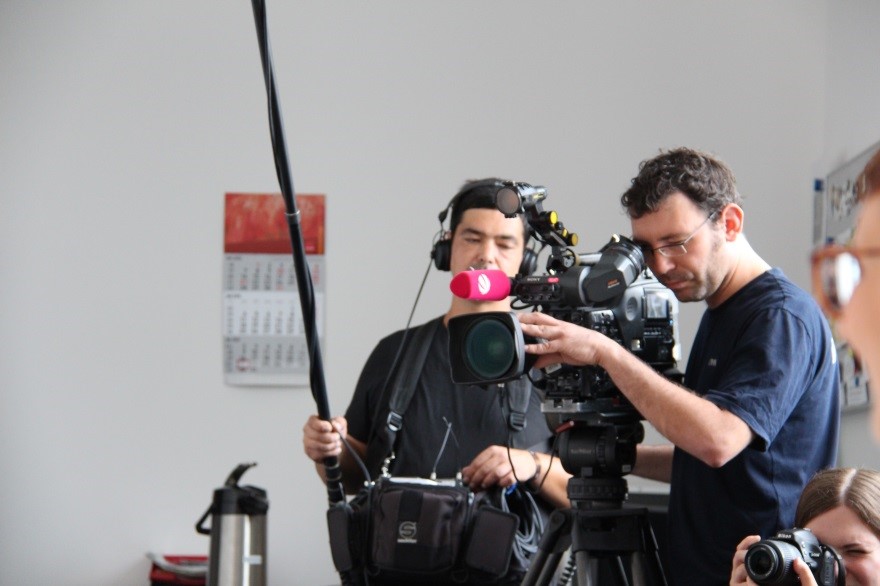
605,538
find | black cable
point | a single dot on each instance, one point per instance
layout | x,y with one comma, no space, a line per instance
412,312
553,454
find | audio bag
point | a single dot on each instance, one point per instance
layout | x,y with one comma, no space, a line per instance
409,530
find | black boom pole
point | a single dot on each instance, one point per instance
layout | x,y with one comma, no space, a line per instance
335,492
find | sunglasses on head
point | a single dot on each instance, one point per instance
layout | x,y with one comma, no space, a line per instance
837,271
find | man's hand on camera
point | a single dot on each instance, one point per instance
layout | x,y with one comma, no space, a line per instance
491,467
562,342
321,439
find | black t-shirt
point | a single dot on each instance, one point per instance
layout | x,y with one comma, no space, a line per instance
478,416
478,419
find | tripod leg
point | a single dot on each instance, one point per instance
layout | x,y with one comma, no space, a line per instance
621,571
554,542
647,563
644,562
647,571
587,569
640,571
618,545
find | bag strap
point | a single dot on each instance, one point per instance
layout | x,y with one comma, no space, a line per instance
405,381
518,393
403,387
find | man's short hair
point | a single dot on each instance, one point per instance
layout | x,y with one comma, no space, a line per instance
478,194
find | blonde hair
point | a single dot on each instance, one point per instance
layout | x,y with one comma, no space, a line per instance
858,489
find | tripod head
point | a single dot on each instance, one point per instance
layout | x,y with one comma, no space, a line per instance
598,453
607,541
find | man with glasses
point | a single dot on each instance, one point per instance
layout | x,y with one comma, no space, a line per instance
758,414
846,281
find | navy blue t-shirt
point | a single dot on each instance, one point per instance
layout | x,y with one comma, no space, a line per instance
767,356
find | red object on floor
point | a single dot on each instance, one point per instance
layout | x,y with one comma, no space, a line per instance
160,577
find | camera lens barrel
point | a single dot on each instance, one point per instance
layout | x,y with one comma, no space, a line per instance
487,347
490,348
770,562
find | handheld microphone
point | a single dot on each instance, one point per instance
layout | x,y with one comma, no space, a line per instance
481,285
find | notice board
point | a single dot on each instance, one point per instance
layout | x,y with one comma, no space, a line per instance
835,211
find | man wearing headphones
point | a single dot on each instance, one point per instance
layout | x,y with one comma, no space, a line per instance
479,237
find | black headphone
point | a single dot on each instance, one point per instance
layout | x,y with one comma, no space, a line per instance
441,252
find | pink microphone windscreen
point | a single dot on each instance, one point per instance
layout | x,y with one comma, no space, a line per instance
482,285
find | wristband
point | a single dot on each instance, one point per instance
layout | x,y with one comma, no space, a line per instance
537,466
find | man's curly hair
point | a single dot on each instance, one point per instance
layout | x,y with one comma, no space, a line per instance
705,179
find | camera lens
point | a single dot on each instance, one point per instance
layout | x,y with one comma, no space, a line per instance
489,349
762,562
770,562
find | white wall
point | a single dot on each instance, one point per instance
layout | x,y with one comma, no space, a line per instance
122,125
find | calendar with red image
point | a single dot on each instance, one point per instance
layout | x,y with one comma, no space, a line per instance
264,336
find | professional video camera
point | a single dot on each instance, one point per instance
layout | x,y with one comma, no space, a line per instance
597,428
770,560
609,291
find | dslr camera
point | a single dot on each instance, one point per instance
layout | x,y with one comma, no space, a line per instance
770,560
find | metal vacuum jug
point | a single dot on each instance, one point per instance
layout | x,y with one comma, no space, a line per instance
238,533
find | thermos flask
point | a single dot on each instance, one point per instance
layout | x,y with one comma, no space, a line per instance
238,533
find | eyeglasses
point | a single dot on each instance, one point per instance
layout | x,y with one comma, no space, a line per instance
676,248
837,271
